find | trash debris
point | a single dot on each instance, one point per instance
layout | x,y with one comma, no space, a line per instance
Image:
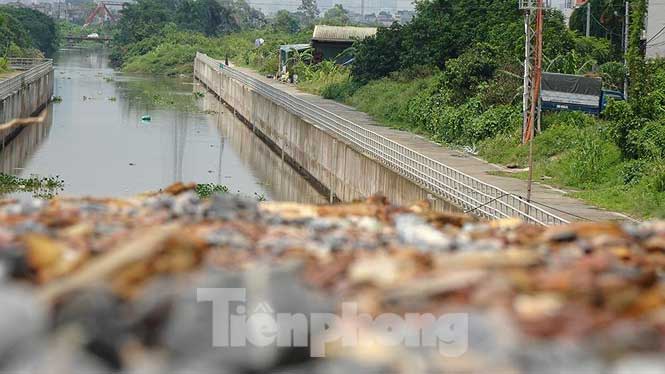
115,285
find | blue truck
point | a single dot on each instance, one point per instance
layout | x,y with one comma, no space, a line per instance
575,93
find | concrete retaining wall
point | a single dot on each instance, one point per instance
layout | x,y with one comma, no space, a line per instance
29,100
337,170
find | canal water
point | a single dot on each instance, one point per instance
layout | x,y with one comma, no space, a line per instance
118,134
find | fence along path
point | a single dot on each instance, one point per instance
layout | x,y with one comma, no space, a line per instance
34,69
461,189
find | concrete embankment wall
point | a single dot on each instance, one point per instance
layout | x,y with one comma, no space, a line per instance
28,100
338,170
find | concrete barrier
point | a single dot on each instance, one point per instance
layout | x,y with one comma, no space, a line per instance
25,95
333,167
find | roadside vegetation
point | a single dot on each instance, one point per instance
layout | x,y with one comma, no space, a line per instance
4,65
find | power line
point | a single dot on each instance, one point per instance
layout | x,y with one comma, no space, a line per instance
655,36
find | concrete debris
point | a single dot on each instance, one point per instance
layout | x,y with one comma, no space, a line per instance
167,282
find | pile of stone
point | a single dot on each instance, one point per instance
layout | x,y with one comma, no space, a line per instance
168,282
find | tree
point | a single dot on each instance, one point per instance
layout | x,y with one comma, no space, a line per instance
41,28
206,16
286,22
336,16
11,33
444,29
143,19
607,18
310,11
378,55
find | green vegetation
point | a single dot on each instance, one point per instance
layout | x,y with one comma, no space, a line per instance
204,190
4,65
462,87
162,37
40,187
147,95
26,33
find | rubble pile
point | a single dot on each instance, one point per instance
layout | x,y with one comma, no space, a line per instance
127,285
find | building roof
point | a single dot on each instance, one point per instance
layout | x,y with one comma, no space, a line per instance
324,33
293,47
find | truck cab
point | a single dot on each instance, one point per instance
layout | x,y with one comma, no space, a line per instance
606,95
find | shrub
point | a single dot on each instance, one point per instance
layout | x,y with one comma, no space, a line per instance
648,141
632,171
463,74
613,73
597,49
341,91
496,120
622,121
589,162
4,65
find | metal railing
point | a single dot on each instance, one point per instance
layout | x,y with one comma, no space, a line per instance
34,69
465,191
21,63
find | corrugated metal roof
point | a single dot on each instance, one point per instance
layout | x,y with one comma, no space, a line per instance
341,33
291,47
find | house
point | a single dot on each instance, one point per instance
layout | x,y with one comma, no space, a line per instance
330,41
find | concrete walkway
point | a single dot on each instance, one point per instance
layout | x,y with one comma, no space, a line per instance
552,199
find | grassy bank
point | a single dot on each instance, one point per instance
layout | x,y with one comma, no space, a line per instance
172,51
575,151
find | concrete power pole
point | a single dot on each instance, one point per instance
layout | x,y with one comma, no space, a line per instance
626,32
588,18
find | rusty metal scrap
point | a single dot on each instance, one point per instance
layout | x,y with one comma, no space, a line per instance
109,285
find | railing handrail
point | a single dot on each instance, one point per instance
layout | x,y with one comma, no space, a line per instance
463,189
36,71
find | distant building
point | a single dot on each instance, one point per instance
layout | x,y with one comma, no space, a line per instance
655,29
385,18
404,16
330,41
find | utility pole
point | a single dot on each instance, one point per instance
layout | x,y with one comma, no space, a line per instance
626,32
362,11
533,62
588,18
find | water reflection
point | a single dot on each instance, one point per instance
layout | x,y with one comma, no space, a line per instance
99,146
16,153
280,180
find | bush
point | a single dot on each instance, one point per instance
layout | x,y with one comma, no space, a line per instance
597,49
463,74
613,74
632,171
390,100
4,65
341,91
377,56
492,122
590,162
648,141
622,121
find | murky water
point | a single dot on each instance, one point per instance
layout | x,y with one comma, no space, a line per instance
96,141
